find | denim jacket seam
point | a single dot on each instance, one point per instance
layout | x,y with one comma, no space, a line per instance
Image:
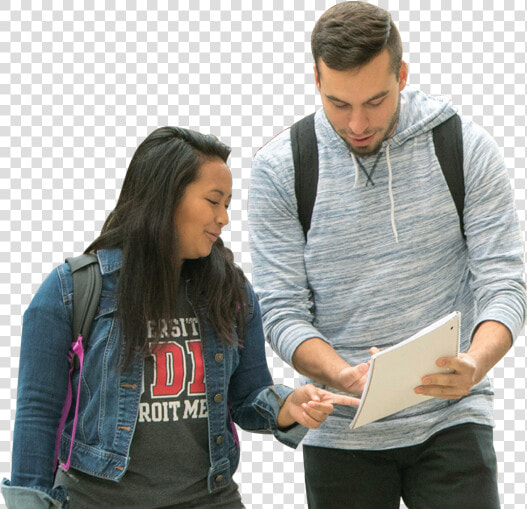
104,383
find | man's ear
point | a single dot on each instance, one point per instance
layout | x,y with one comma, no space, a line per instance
403,75
317,76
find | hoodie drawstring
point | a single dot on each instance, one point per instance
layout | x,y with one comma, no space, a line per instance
356,170
390,192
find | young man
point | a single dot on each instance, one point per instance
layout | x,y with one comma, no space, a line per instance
384,257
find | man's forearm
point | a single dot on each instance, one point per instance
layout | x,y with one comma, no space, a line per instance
491,341
318,360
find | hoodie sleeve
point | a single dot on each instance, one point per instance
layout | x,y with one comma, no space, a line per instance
494,240
277,251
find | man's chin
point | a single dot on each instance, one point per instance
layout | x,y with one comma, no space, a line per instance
368,150
365,150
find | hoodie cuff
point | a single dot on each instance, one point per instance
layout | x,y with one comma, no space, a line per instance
291,337
503,315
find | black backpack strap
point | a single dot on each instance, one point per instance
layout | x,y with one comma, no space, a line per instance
448,144
305,159
87,285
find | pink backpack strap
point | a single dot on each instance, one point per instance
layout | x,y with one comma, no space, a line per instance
87,286
76,351
233,428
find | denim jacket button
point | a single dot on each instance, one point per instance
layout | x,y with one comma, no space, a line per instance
218,357
219,478
219,439
218,398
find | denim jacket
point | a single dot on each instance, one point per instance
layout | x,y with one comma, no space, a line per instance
238,387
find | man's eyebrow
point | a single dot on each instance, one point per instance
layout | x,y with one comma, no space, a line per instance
373,98
378,96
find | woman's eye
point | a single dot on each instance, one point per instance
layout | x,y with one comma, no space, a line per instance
212,201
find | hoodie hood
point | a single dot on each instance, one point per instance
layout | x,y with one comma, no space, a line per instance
419,114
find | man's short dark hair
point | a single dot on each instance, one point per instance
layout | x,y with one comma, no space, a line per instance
350,34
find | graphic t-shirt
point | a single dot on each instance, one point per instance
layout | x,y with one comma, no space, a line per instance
169,454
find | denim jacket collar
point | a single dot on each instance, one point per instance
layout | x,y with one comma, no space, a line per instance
110,260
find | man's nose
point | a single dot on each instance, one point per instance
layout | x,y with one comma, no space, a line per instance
358,122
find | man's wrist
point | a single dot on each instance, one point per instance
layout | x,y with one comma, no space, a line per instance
490,343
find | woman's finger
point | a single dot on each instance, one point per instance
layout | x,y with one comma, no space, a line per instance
310,422
339,399
318,410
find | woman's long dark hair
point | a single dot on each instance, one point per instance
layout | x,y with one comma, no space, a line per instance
142,225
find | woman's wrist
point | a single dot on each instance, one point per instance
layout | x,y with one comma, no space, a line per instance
284,418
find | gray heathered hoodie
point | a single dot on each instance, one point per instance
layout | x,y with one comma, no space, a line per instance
388,259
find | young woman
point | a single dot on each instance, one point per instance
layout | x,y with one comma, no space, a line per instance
175,353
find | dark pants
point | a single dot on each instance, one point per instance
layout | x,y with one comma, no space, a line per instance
455,468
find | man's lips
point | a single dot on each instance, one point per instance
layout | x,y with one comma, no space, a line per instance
362,141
